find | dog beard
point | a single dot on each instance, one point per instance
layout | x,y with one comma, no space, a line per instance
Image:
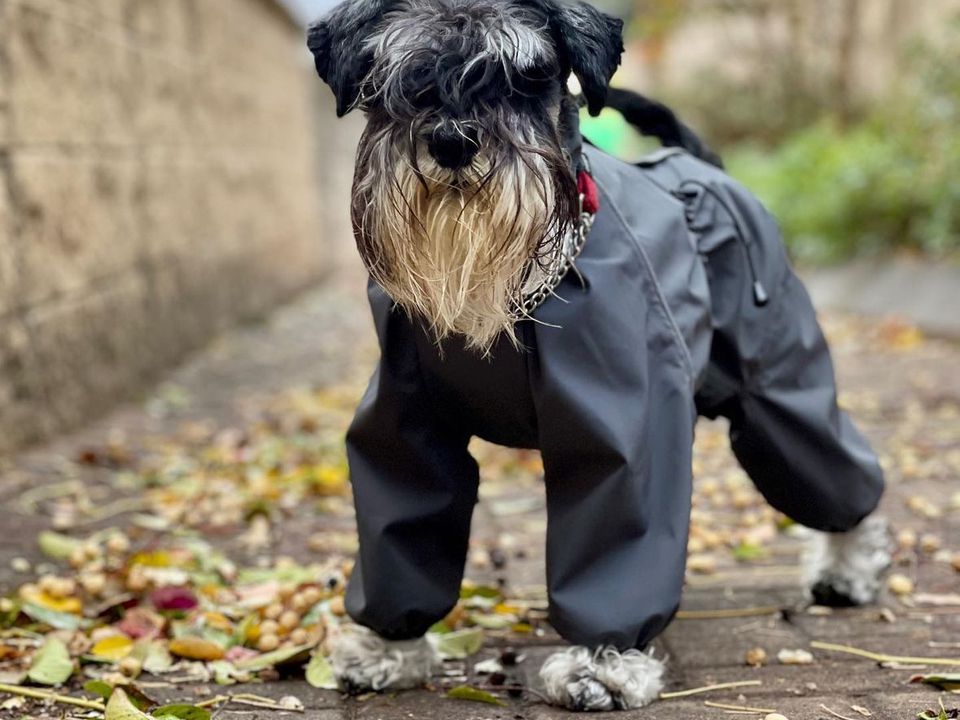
456,247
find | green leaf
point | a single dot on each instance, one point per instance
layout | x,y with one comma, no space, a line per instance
120,708
944,681
53,618
99,687
56,545
183,712
277,657
484,591
744,552
493,622
52,664
459,645
320,673
465,692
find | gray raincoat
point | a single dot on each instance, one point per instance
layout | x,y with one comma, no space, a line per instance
687,305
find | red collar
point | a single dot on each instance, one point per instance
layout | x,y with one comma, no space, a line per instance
588,191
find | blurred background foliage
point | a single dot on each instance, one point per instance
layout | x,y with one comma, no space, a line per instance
841,115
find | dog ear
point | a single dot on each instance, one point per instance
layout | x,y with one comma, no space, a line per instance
337,44
593,43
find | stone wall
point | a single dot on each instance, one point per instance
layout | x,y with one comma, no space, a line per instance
158,182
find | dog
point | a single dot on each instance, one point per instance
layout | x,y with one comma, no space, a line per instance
531,290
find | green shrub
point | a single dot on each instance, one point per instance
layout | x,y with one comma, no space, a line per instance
889,182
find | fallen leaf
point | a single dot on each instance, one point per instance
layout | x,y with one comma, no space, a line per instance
194,648
56,545
120,708
113,648
459,644
51,664
465,692
181,711
173,598
320,673
275,657
99,687
944,681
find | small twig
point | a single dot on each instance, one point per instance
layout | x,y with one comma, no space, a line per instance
742,708
881,657
834,712
727,613
215,700
51,696
708,688
118,507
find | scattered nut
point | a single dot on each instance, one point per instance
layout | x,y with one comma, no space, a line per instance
703,564
794,657
930,543
130,666
268,642
117,544
755,657
900,584
273,611
907,539
289,620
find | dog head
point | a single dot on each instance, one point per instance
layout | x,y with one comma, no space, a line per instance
464,179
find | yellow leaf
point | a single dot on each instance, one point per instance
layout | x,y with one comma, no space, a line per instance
194,648
36,596
115,647
218,621
157,558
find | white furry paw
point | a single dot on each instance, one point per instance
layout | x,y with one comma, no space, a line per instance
845,569
606,679
363,661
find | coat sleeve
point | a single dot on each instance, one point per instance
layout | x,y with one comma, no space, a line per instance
415,486
615,397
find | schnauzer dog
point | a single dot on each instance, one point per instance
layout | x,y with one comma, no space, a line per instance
528,289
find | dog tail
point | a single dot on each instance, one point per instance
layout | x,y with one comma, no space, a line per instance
655,119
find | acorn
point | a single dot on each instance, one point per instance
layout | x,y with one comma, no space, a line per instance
268,642
94,583
289,620
900,584
755,657
117,544
273,611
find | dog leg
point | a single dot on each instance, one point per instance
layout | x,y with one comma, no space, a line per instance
363,661
605,679
844,569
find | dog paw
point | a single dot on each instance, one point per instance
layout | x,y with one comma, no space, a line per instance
606,679
845,569
363,661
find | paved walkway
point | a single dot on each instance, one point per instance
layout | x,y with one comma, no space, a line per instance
309,363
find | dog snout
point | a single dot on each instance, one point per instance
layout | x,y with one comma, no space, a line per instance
453,146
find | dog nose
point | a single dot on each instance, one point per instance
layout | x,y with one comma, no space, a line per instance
453,147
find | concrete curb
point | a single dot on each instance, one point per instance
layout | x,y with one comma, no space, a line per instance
922,291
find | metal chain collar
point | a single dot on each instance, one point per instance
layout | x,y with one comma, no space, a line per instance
569,249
